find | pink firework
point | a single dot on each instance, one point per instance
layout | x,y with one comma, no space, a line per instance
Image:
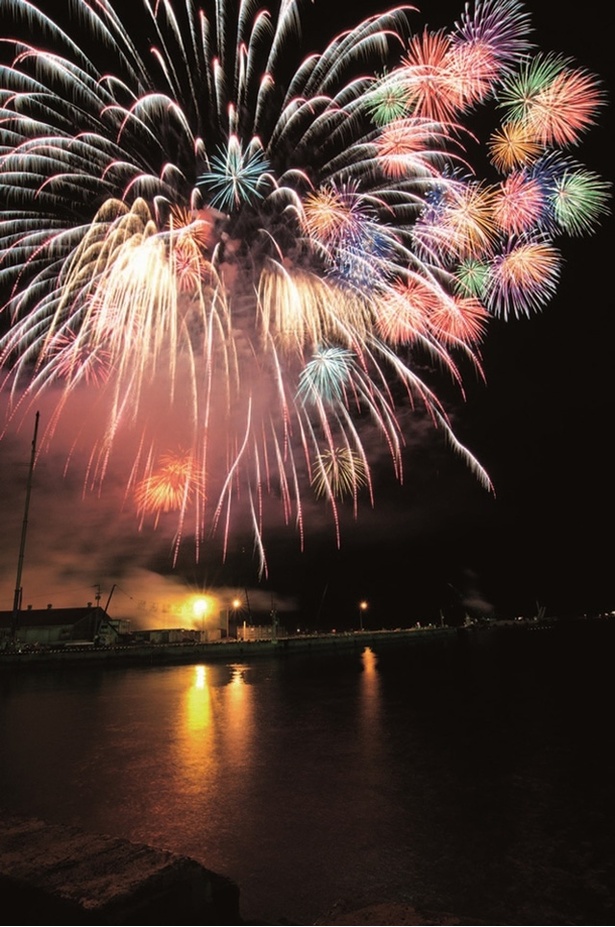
519,203
460,320
565,109
327,215
74,361
472,68
431,91
412,147
405,310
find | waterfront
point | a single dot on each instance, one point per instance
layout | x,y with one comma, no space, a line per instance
229,651
474,779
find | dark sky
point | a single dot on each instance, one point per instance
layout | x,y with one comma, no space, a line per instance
541,426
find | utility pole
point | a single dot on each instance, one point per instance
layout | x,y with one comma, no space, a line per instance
113,587
24,528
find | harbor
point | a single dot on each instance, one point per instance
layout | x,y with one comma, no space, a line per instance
187,649
231,650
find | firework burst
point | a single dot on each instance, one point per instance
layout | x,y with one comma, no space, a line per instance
251,260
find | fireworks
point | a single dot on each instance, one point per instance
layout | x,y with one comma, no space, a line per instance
244,264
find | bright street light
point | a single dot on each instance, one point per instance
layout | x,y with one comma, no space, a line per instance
235,605
362,608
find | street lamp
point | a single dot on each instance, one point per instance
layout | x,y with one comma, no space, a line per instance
235,604
362,608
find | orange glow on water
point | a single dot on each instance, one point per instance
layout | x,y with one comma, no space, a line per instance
370,708
215,726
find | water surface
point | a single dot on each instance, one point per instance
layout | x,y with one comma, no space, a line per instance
475,779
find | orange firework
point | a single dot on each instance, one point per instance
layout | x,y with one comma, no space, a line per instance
462,224
513,145
469,217
524,277
170,487
326,215
202,225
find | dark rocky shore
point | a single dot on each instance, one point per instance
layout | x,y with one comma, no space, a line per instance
55,874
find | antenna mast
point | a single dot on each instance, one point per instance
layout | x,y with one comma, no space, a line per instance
24,528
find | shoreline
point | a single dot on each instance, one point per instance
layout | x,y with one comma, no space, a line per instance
159,654
231,650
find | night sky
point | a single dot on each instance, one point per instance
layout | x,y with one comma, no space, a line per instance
541,425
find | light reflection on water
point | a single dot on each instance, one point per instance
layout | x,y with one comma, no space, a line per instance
448,780
213,736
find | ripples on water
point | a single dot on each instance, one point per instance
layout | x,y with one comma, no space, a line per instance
474,779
